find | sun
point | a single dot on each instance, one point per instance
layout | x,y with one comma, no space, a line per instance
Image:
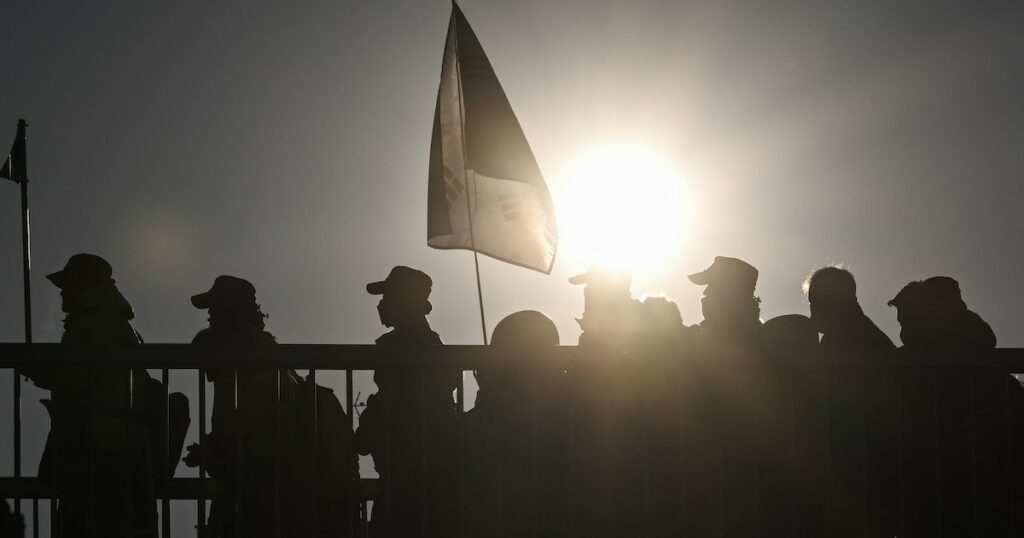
622,205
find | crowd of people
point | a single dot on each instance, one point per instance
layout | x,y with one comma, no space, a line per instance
672,430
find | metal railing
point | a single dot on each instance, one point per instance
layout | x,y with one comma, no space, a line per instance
661,411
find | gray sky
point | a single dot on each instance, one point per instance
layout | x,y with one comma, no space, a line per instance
287,143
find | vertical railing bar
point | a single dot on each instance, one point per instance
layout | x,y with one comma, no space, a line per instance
35,517
865,472
16,409
236,499
315,461
902,436
719,468
165,469
421,453
92,453
574,395
277,453
791,431
130,469
1011,434
535,379
55,520
390,452
363,512
645,435
460,399
937,452
829,456
201,498
974,455
357,487
501,428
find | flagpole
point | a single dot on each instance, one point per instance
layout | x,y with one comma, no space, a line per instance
26,243
26,253
465,172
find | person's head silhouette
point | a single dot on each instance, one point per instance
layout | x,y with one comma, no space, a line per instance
81,274
606,288
729,291
832,295
528,331
790,331
231,302
404,295
932,313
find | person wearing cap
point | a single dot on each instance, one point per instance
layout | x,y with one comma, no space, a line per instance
980,436
240,450
408,426
611,316
731,310
608,398
717,400
93,416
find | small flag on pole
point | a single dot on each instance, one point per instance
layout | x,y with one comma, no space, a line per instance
14,167
485,191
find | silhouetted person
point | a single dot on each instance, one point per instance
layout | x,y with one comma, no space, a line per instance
832,294
731,310
863,435
607,480
516,437
409,425
246,448
611,316
962,430
718,411
932,315
791,443
98,441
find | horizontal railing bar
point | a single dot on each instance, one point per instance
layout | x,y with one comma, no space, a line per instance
370,357
178,489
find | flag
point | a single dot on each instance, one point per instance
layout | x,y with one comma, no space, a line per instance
485,191
14,167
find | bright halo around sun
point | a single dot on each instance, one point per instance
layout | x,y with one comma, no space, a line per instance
623,205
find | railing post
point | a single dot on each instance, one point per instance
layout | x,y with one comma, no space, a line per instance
314,501
201,501
16,407
165,471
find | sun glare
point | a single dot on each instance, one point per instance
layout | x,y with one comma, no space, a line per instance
623,205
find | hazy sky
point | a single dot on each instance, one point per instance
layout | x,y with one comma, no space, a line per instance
287,143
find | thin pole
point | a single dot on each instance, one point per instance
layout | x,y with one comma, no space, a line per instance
26,255
465,171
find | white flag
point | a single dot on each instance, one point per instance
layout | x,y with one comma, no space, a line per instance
485,191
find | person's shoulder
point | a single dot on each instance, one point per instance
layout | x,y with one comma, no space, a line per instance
204,336
100,327
265,337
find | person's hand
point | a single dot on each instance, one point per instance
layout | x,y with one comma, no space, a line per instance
192,458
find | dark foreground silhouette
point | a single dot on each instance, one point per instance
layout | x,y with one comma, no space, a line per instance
662,429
